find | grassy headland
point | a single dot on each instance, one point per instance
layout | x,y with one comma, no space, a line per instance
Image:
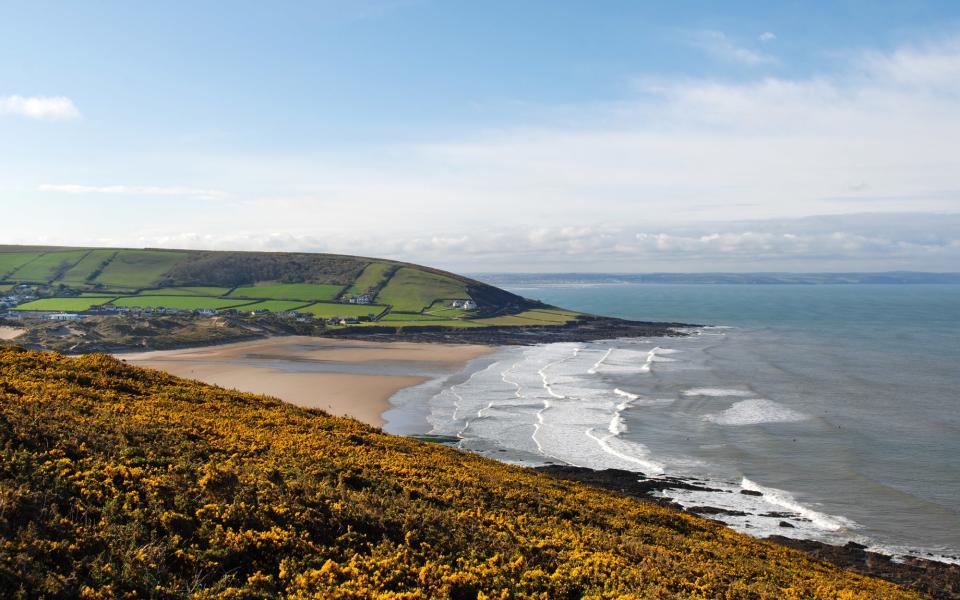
121,482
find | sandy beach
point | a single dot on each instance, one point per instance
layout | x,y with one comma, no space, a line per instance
9,333
343,377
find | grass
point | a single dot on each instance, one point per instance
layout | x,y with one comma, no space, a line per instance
275,306
181,302
11,261
532,317
88,266
429,323
329,310
48,266
413,290
370,278
64,304
306,292
187,291
121,482
395,316
134,269
444,310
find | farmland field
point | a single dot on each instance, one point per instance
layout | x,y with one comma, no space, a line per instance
181,302
275,306
11,261
443,310
289,291
64,304
372,275
532,317
413,290
87,266
186,291
47,266
133,269
329,310
395,316
427,323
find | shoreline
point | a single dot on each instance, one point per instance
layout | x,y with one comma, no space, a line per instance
939,579
354,378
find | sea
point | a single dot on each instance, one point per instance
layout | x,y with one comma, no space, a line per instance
839,404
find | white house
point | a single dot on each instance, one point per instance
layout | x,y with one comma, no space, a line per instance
64,317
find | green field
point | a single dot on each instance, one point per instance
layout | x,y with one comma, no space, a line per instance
87,266
275,306
307,292
186,291
325,310
532,317
47,266
372,275
442,309
413,290
11,261
426,323
64,304
133,269
395,316
181,302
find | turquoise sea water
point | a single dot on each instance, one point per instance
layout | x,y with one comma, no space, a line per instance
840,403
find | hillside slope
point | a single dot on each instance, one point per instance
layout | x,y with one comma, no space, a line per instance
322,285
120,482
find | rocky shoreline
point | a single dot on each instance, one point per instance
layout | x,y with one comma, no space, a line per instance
586,329
938,579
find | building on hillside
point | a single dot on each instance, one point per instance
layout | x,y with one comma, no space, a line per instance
464,304
205,312
361,299
64,317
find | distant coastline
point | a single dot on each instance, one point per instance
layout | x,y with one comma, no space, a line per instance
765,278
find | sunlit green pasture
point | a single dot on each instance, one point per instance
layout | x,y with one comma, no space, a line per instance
186,291
86,267
413,290
11,261
371,276
275,306
289,291
180,302
325,310
134,269
72,304
47,266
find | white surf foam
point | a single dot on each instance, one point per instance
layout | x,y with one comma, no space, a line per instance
717,392
593,370
620,392
754,412
785,500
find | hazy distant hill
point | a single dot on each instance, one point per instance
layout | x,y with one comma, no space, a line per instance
893,277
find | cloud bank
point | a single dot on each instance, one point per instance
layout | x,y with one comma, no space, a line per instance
51,108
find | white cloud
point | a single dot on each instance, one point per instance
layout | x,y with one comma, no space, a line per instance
718,45
767,36
54,108
128,190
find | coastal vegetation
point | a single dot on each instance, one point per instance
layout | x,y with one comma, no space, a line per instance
119,482
308,292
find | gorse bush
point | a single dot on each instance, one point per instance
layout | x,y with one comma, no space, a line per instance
118,482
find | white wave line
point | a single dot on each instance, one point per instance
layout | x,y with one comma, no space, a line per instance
546,402
650,356
603,442
467,421
593,370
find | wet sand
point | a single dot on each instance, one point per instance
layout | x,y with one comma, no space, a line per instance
9,333
343,377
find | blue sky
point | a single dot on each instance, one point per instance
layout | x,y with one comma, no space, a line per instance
618,136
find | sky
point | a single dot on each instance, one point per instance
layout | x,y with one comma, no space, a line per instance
537,136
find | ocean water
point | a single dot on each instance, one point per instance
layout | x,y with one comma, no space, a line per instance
839,403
